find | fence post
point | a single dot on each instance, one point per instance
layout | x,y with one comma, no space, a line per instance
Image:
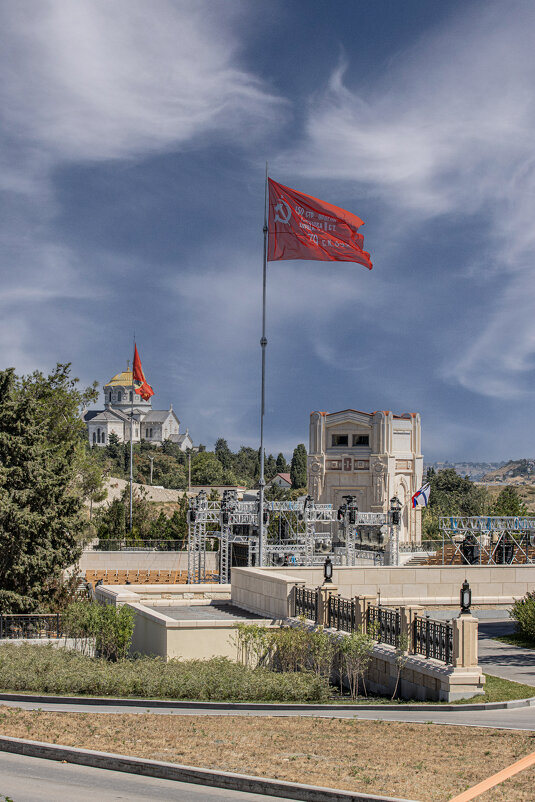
465,641
324,592
57,626
361,609
407,616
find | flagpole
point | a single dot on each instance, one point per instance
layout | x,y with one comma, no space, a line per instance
132,439
263,345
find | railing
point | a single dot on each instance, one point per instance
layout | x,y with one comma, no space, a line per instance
385,621
341,614
135,545
422,546
306,603
433,639
33,625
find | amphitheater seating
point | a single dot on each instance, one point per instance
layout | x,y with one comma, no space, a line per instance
142,577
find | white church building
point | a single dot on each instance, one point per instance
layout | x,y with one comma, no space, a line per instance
153,425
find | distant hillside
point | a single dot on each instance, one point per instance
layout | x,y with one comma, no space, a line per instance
474,470
514,471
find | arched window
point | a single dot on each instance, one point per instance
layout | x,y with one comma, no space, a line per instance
94,438
119,396
131,395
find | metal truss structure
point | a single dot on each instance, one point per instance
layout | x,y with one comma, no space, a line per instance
299,533
488,540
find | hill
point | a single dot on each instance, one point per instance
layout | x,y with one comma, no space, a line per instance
513,472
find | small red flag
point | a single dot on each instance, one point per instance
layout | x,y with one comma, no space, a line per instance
303,227
140,383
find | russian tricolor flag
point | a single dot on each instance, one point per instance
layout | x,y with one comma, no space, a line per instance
421,497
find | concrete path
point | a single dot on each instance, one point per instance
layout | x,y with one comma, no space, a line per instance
501,659
26,779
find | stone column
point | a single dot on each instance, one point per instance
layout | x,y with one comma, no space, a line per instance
465,641
407,616
361,608
324,592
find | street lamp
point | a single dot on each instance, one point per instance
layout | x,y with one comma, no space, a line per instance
328,571
466,598
395,520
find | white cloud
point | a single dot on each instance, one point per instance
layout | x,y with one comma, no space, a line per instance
98,80
449,131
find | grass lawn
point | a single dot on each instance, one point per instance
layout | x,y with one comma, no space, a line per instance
417,761
516,639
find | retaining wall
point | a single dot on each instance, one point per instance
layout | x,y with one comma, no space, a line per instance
427,585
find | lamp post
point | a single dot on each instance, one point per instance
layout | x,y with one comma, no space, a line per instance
328,571
466,598
151,467
395,519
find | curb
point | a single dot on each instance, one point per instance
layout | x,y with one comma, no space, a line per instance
187,774
267,706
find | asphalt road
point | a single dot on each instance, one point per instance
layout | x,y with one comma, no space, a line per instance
31,779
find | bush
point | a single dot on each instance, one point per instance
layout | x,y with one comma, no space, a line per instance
523,611
45,669
109,628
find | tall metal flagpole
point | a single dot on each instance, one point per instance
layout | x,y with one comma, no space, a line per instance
263,345
132,436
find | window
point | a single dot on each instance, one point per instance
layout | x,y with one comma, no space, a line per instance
130,395
339,440
361,439
94,438
119,396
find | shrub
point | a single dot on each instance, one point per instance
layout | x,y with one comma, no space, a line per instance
45,669
523,611
109,628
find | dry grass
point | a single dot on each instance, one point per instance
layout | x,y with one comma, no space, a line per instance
417,761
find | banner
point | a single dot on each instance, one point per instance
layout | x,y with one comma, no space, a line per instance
140,383
303,227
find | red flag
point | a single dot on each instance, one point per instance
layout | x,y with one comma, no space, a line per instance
140,383
303,227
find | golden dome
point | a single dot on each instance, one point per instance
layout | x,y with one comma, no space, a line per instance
123,379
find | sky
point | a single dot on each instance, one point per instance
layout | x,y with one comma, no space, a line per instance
133,141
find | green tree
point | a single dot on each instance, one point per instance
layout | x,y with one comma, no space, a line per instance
41,508
298,468
223,453
451,494
508,502
206,469
282,465
270,467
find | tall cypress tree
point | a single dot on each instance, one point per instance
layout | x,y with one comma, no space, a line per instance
40,504
298,468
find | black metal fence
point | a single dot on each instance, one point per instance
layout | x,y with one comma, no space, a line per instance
341,614
32,625
306,603
433,638
385,622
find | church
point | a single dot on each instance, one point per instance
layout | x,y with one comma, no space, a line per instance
153,425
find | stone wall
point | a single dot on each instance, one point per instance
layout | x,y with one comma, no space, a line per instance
261,592
141,560
427,585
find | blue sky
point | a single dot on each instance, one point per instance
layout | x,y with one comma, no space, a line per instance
134,136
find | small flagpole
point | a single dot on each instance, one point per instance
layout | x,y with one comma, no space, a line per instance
132,438
263,345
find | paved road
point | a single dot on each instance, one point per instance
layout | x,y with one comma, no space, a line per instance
502,660
28,779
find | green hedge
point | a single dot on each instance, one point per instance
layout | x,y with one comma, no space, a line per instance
45,669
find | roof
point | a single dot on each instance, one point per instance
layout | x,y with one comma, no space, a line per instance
102,415
159,416
286,477
124,379
360,412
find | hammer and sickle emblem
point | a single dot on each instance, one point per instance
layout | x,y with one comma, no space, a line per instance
282,215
